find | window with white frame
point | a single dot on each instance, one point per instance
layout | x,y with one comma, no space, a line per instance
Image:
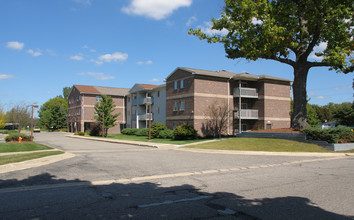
98,98
181,107
176,85
182,84
157,110
175,107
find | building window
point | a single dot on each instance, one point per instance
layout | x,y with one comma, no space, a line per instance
158,93
243,105
175,126
128,99
157,110
175,107
98,98
134,96
181,107
182,84
176,85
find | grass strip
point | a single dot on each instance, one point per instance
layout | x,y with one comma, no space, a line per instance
19,147
23,157
261,144
155,140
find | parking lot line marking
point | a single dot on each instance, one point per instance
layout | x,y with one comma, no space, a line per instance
167,202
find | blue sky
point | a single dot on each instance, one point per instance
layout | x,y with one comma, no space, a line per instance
47,45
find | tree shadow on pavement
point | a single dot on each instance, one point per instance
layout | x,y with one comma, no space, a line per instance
45,197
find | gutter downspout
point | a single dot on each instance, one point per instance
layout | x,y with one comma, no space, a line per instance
228,106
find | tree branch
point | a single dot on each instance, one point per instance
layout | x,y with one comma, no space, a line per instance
282,60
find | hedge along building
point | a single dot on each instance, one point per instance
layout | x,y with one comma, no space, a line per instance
252,101
81,103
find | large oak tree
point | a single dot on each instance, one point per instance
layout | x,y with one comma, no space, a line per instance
287,31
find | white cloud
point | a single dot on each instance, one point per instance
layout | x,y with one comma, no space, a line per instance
191,20
318,49
92,50
83,2
96,61
85,47
98,76
154,80
15,45
34,53
207,29
144,62
77,57
5,76
52,53
156,9
117,56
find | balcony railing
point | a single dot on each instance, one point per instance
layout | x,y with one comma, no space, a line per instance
246,92
247,114
146,100
145,117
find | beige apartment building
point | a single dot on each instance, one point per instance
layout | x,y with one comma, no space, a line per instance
253,101
82,99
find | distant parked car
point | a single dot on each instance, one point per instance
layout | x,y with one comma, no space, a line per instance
36,129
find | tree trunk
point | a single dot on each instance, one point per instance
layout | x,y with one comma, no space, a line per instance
299,117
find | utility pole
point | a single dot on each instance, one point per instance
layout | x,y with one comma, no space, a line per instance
103,131
150,121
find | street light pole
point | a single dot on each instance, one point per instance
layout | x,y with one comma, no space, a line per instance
33,106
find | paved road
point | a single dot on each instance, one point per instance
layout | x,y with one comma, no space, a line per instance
114,181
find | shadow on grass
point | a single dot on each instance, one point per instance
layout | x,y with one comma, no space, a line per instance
46,197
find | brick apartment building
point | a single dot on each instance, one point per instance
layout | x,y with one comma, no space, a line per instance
138,108
254,102
82,100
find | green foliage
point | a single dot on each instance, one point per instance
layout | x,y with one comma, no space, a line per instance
95,129
312,117
344,113
130,131
166,134
104,109
53,113
143,132
156,128
331,135
2,118
185,132
66,91
19,114
15,136
81,133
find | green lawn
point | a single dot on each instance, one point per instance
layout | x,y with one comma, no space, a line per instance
22,157
18,147
261,144
157,140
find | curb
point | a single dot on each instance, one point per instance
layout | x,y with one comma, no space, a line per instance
27,152
267,153
34,163
139,143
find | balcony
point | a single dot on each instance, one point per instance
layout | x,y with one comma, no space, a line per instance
145,117
246,93
247,114
146,100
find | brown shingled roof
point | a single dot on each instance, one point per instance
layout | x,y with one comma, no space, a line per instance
148,86
102,90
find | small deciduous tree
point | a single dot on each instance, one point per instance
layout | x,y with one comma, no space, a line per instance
2,118
287,31
216,118
19,114
104,109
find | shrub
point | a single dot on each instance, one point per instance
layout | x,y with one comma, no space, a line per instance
15,136
143,132
338,134
166,134
130,131
156,128
81,133
95,129
185,132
